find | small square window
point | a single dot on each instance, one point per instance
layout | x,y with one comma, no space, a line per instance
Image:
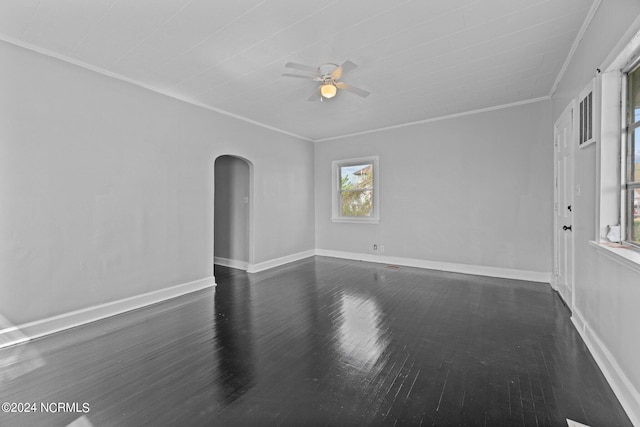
355,190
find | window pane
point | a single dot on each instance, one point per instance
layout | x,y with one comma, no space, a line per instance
356,203
634,163
356,177
634,215
634,96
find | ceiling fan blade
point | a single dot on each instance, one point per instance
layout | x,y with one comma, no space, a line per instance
300,76
353,89
344,68
302,67
316,95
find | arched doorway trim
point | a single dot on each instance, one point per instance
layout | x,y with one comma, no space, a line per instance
250,223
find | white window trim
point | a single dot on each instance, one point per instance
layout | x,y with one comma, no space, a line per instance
608,154
335,194
610,149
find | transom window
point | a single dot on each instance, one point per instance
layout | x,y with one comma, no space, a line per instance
355,188
631,187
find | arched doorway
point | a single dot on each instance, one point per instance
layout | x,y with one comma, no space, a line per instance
232,212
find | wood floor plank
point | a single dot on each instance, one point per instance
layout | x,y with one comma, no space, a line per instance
322,342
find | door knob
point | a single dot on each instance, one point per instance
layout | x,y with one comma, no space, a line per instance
566,227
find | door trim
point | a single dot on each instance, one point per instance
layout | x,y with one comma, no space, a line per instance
570,108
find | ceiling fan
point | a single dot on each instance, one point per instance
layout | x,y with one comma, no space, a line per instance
328,75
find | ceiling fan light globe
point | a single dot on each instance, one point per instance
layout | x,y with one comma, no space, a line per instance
328,91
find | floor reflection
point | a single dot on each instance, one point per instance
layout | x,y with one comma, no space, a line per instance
321,342
17,356
234,337
18,360
361,342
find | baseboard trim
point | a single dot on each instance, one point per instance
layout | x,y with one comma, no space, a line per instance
478,270
231,263
40,328
622,387
276,262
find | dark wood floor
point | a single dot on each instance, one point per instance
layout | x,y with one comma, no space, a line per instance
322,342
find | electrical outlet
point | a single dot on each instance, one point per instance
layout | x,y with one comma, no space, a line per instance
381,248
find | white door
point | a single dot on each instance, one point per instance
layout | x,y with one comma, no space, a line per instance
564,163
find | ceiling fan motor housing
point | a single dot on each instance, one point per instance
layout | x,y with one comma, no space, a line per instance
325,71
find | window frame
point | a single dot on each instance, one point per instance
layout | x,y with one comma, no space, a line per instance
627,154
336,190
611,149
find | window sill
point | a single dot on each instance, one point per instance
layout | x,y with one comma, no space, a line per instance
622,254
357,220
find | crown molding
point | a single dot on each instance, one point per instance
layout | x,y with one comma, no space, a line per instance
134,82
435,119
102,71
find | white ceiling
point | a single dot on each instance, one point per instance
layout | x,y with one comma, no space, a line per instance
420,59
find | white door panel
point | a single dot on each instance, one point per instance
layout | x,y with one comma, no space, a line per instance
564,161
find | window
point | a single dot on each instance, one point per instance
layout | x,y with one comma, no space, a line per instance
631,187
588,119
355,190
617,156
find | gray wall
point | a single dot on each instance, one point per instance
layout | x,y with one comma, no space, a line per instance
474,190
231,213
606,293
106,189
